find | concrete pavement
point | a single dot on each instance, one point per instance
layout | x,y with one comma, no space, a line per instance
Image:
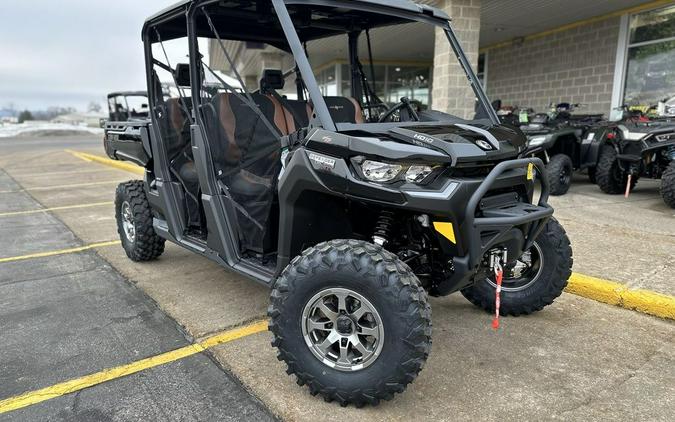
62,317
577,360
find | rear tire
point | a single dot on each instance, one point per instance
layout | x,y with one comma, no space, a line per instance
373,275
134,223
668,185
591,175
559,174
545,283
610,177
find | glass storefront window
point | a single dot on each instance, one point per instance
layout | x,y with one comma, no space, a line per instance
392,81
650,72
480,71
327,81
407,81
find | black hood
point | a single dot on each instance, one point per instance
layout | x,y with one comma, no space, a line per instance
455,143
464,142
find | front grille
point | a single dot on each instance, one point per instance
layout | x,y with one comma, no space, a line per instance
473,171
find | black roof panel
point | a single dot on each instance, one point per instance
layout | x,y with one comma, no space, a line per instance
406,5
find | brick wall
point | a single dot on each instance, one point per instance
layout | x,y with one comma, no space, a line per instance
451,92
575,66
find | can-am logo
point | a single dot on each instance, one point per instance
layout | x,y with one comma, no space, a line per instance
423,138
484,145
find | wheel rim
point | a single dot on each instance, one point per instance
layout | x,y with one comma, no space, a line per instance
128,222
342,329
522,273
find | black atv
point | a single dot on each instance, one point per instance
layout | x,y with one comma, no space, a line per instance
352,212
565,142
638,149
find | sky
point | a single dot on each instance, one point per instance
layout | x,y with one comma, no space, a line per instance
71,52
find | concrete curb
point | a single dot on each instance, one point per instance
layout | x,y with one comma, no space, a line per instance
617,294
600,290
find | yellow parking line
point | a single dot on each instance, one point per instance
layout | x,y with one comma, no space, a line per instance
618,294
74,185
66,207
67,387
59,252
121,165
54,173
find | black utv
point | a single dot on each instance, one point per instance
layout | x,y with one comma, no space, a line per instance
127,105
635,150
565,142
351,211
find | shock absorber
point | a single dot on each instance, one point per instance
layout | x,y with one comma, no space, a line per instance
383,227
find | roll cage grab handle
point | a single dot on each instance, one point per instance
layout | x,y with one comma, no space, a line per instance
303,65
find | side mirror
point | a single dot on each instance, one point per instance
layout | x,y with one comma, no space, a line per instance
182,74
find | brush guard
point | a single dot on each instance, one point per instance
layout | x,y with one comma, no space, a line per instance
481,234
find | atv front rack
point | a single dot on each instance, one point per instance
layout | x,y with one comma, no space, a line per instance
482,233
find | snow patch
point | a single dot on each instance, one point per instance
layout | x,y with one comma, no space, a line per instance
45,129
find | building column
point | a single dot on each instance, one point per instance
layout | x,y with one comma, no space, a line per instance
451,93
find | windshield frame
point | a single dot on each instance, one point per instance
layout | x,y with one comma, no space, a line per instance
424,14
439,22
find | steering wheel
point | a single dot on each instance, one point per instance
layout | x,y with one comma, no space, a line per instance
403,104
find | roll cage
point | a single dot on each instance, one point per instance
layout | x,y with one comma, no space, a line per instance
119,108
289,24
193,190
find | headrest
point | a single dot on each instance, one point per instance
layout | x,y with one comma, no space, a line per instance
182,74
272,79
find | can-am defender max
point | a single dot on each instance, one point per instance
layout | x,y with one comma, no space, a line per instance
351,211
127,105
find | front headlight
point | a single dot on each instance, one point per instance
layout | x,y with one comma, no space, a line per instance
417,173
376,171
380,172
536,141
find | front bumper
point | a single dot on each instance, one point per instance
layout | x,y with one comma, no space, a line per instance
484,228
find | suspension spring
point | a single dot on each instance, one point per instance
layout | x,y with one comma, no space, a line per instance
383,228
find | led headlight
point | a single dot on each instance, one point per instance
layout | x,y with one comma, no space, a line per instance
417,173
381,172
536,141
376,171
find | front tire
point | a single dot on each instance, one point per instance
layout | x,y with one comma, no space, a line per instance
134,223
559,174
668,185
331,342
610,177
536,285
